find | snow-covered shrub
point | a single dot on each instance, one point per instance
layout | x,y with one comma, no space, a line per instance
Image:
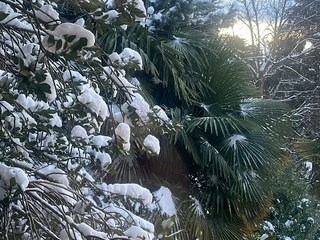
57,89
295,213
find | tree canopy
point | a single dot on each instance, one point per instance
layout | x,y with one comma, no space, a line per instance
113,130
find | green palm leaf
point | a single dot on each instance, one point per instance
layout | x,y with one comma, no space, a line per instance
227,141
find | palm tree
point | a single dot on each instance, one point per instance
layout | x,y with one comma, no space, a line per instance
224,145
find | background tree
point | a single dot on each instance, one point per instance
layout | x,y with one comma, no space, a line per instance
295,211
283,56
279,43
60,91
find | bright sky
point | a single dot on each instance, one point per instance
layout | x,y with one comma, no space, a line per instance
238,29
241,30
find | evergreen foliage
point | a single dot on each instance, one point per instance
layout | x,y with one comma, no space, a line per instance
228,141
295,211
83,98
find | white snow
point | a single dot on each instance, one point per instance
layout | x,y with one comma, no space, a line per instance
88,231
55,120
13,120
115,58
120,80
94,102
288,223
56,174
129,55
136,233
75,76
100,141
158,16
5,106
308,168
53,94
130,189
160,113
28,103
69,103
141,106
164,200
152,144
310,220
103,157
287,238
47,14
74,234
67,29
11,177
133,219
126,146
28,53
83,172
267,226
112,15
235,139
138,4
150,10
79,132
13,18
122,131
80,22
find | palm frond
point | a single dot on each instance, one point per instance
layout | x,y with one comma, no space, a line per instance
255,151
217,125
271,115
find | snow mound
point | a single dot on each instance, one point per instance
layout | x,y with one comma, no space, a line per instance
152,144
130,189
47,14
74,31
135,232
11,178
164,200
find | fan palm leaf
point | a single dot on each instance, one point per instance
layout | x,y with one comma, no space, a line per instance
227,141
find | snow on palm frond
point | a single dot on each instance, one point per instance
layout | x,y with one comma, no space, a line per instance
197,207
235,139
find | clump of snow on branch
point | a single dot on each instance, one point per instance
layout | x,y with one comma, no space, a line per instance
56,174
79,132
152,144
160,113
47,14
11,179
123,133
164,201
13,18
94,102
75,31
52,124
129,190
135,232
128,55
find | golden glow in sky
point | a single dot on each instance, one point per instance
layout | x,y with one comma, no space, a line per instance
241,30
